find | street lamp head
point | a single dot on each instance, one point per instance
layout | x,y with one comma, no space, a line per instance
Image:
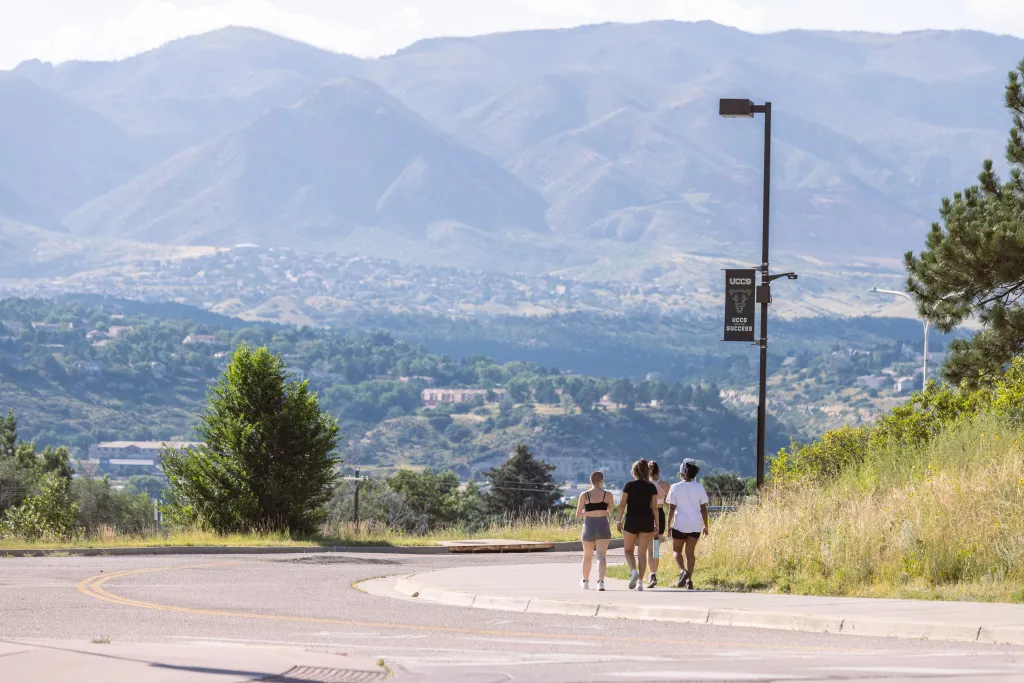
736,109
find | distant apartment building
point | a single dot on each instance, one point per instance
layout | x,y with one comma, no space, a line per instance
431,398
133,453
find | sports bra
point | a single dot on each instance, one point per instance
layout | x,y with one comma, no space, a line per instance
594,507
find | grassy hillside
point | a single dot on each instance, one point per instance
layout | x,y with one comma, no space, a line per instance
929,503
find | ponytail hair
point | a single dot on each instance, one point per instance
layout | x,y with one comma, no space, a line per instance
642,470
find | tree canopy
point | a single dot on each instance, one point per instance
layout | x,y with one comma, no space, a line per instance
973,263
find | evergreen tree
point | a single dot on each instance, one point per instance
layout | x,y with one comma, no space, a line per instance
973,264
522,485
267,459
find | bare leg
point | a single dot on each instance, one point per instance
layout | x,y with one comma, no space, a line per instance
602,557
628,545
677,553
644,545
691,545
588,558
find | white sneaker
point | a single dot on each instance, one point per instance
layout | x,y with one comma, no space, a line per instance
584,584
640,586
600,585
634,576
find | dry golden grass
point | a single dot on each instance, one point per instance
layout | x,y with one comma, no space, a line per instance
943,521
553,528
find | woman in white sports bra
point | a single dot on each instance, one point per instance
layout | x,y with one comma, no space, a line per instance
595,507
654,560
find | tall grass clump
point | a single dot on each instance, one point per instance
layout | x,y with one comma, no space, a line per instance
928,502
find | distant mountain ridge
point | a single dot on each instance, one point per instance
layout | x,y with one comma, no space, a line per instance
596,145
312,172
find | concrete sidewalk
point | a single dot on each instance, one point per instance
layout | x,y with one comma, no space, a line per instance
554,589
27,661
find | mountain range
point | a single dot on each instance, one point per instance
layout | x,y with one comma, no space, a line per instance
597,149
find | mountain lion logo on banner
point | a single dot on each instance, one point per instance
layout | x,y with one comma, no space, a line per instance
739,299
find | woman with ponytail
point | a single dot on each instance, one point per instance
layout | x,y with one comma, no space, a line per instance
639,505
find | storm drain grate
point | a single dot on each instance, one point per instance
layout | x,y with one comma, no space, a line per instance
318,674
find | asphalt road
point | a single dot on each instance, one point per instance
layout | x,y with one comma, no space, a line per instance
309,601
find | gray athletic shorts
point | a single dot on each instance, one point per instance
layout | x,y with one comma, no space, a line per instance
595,528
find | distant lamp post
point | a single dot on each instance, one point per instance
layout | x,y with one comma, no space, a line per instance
927,326
745,109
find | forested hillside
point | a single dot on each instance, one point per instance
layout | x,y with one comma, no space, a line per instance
76,375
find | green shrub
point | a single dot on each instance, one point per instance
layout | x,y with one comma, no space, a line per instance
49,514
901,432
101,505
836,450
1008,394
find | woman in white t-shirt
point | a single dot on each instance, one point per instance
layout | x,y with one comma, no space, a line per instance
688,518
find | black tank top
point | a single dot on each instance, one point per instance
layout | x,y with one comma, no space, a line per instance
594,507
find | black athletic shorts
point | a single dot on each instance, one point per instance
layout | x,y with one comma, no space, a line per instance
680,535
661,521
643,525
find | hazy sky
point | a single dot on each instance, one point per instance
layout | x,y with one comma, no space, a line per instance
58,30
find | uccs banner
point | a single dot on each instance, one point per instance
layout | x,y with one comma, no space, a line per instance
739,305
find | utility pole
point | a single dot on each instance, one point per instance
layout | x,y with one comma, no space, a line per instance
355,515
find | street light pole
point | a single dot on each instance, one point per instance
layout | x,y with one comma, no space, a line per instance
764,292
927,327
734,109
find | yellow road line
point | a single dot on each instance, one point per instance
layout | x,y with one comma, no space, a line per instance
93,587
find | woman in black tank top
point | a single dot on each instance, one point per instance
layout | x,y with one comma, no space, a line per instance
594,507
639,504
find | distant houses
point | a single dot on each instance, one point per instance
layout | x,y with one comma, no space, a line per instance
431,398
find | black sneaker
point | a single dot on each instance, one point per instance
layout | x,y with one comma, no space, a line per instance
653,582
681,583
689,583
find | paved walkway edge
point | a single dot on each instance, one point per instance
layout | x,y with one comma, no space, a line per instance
561,546
413,586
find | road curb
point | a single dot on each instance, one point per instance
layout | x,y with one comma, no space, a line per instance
413,586
560,546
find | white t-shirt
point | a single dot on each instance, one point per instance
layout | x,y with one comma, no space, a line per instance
687,496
